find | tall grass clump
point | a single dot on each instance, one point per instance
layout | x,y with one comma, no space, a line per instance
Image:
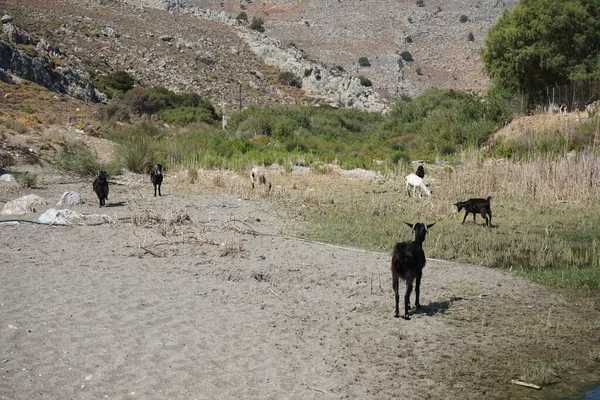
77,158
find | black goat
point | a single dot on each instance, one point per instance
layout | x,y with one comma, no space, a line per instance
477,206
420,172
156,177
408,260
100,186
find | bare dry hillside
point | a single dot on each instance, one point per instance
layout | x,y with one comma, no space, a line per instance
339,32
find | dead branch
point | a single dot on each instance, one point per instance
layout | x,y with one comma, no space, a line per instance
529,385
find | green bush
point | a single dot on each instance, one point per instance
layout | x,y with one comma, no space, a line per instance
406,56
364,62
257,24
76,158
463,18
471,38
242,17
136,154
25,179
420,3
114,110
118,81
364,81
289,78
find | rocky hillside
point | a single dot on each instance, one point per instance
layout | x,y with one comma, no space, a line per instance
436,33
197,45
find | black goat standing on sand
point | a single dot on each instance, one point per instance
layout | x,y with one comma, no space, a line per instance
477,206
408,261
156,177
100,186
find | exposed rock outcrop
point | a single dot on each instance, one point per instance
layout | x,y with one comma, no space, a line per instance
23,205
39,65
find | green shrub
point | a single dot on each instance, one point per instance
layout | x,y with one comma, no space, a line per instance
242,17
289,78
25,179
364,62
406,56
114,110
118,81
76,158
364,81
136,154
463,18
187,115
400,157
420,3
408,39
471,38
257,24
418,71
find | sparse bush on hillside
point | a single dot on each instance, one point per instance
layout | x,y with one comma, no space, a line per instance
364,81
289,78
257,24
420,3
463,18
406,56
364,62
471,38
113,111
242,17
408,39
118,81
418,71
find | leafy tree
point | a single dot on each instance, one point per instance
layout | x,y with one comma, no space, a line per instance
406,56
541,43
364,81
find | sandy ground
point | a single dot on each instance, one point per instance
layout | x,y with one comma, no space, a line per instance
226,306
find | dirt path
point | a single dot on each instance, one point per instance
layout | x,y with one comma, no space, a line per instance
226,307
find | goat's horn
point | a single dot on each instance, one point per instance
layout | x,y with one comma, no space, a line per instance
412,226
430,225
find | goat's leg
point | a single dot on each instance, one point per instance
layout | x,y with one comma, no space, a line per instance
490,214
409,287
154,189
466,214
396,295
417,292
159,190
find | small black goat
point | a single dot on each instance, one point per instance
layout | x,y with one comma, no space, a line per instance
100,186
156,177
477,206
408,260
420,172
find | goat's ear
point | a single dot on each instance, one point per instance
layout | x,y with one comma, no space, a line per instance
412,226
430,225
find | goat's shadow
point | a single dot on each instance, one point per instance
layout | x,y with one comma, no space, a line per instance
436,307
118,204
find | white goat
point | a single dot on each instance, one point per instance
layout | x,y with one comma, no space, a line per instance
414,181
257,177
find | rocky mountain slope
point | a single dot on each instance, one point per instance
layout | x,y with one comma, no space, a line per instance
436,33
197,45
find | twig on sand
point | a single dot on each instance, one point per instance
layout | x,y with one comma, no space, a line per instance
317,389
273,292
151,252
529,385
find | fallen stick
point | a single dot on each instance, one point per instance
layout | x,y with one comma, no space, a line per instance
529,385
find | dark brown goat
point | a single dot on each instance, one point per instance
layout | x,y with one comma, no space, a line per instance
477,206
156,177
408,261
100,186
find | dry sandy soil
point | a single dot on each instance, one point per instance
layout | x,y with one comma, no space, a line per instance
228,305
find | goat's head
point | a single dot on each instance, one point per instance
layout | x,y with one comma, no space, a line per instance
156,169
460,205
420,230
102,175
